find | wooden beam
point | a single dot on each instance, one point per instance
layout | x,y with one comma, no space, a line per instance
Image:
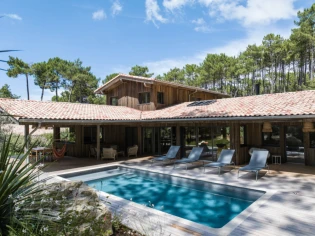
98,146
178,135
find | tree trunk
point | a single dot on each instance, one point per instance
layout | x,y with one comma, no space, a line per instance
43,89
56,92
27,88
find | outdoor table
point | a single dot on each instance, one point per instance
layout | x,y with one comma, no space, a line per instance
40,150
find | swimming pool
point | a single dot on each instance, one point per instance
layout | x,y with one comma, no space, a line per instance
206,203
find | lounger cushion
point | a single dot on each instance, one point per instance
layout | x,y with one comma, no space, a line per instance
215,164
162,158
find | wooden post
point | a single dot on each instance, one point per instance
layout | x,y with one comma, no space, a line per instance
307,156
78,141
26,133
282,144
98,146
178,135
56,133
139,140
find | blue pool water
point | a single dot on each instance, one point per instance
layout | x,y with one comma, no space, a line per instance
210,204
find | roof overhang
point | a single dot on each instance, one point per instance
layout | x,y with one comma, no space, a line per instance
175,120
119,79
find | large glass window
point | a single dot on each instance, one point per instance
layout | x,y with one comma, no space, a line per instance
205,140
144,98
221,136
273,138
294,144
148,140
190,137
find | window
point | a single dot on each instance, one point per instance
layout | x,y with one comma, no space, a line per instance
160,97
114,101
273,138
243,138
144,98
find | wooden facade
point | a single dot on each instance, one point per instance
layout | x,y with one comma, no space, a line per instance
127,93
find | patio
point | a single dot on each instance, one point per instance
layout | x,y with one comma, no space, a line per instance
289,211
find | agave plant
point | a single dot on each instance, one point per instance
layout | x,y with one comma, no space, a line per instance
16,180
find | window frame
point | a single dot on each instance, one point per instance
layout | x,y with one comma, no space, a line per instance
160,93
141,100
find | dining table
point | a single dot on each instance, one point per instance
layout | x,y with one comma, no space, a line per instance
41,151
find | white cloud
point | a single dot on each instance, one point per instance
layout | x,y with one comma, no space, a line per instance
199,21
116,8
201,26
13,16
176,4
152,10
99,15
253,12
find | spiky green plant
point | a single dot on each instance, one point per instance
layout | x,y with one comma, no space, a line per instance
16,180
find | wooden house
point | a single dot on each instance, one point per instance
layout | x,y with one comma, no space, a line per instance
283,123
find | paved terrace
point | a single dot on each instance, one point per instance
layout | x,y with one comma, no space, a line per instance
290,211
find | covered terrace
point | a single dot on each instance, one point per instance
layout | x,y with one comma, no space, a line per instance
281,123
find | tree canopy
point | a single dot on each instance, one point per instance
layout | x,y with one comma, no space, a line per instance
5,92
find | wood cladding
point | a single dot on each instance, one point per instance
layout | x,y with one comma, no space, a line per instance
127,94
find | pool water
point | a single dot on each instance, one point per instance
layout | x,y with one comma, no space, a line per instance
202,202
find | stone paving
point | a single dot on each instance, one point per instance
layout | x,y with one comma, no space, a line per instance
289,211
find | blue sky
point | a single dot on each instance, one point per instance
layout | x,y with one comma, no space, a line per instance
114,35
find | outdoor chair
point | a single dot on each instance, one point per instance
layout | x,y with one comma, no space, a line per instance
224,159
118,152
257,162
171,154
132,151
194,156
93,152
109,153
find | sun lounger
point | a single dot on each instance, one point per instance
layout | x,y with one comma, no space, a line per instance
257,162
224,159
194,156
171,154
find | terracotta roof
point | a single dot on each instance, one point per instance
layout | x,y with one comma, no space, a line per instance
66,111
279,104
152,81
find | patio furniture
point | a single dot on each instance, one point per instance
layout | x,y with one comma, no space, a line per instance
59,153
194,156
276,159
93,152
257,162
171,154
118,152
37,152
132,151
109,153
224,159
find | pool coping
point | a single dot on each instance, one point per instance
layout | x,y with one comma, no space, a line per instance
171,219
